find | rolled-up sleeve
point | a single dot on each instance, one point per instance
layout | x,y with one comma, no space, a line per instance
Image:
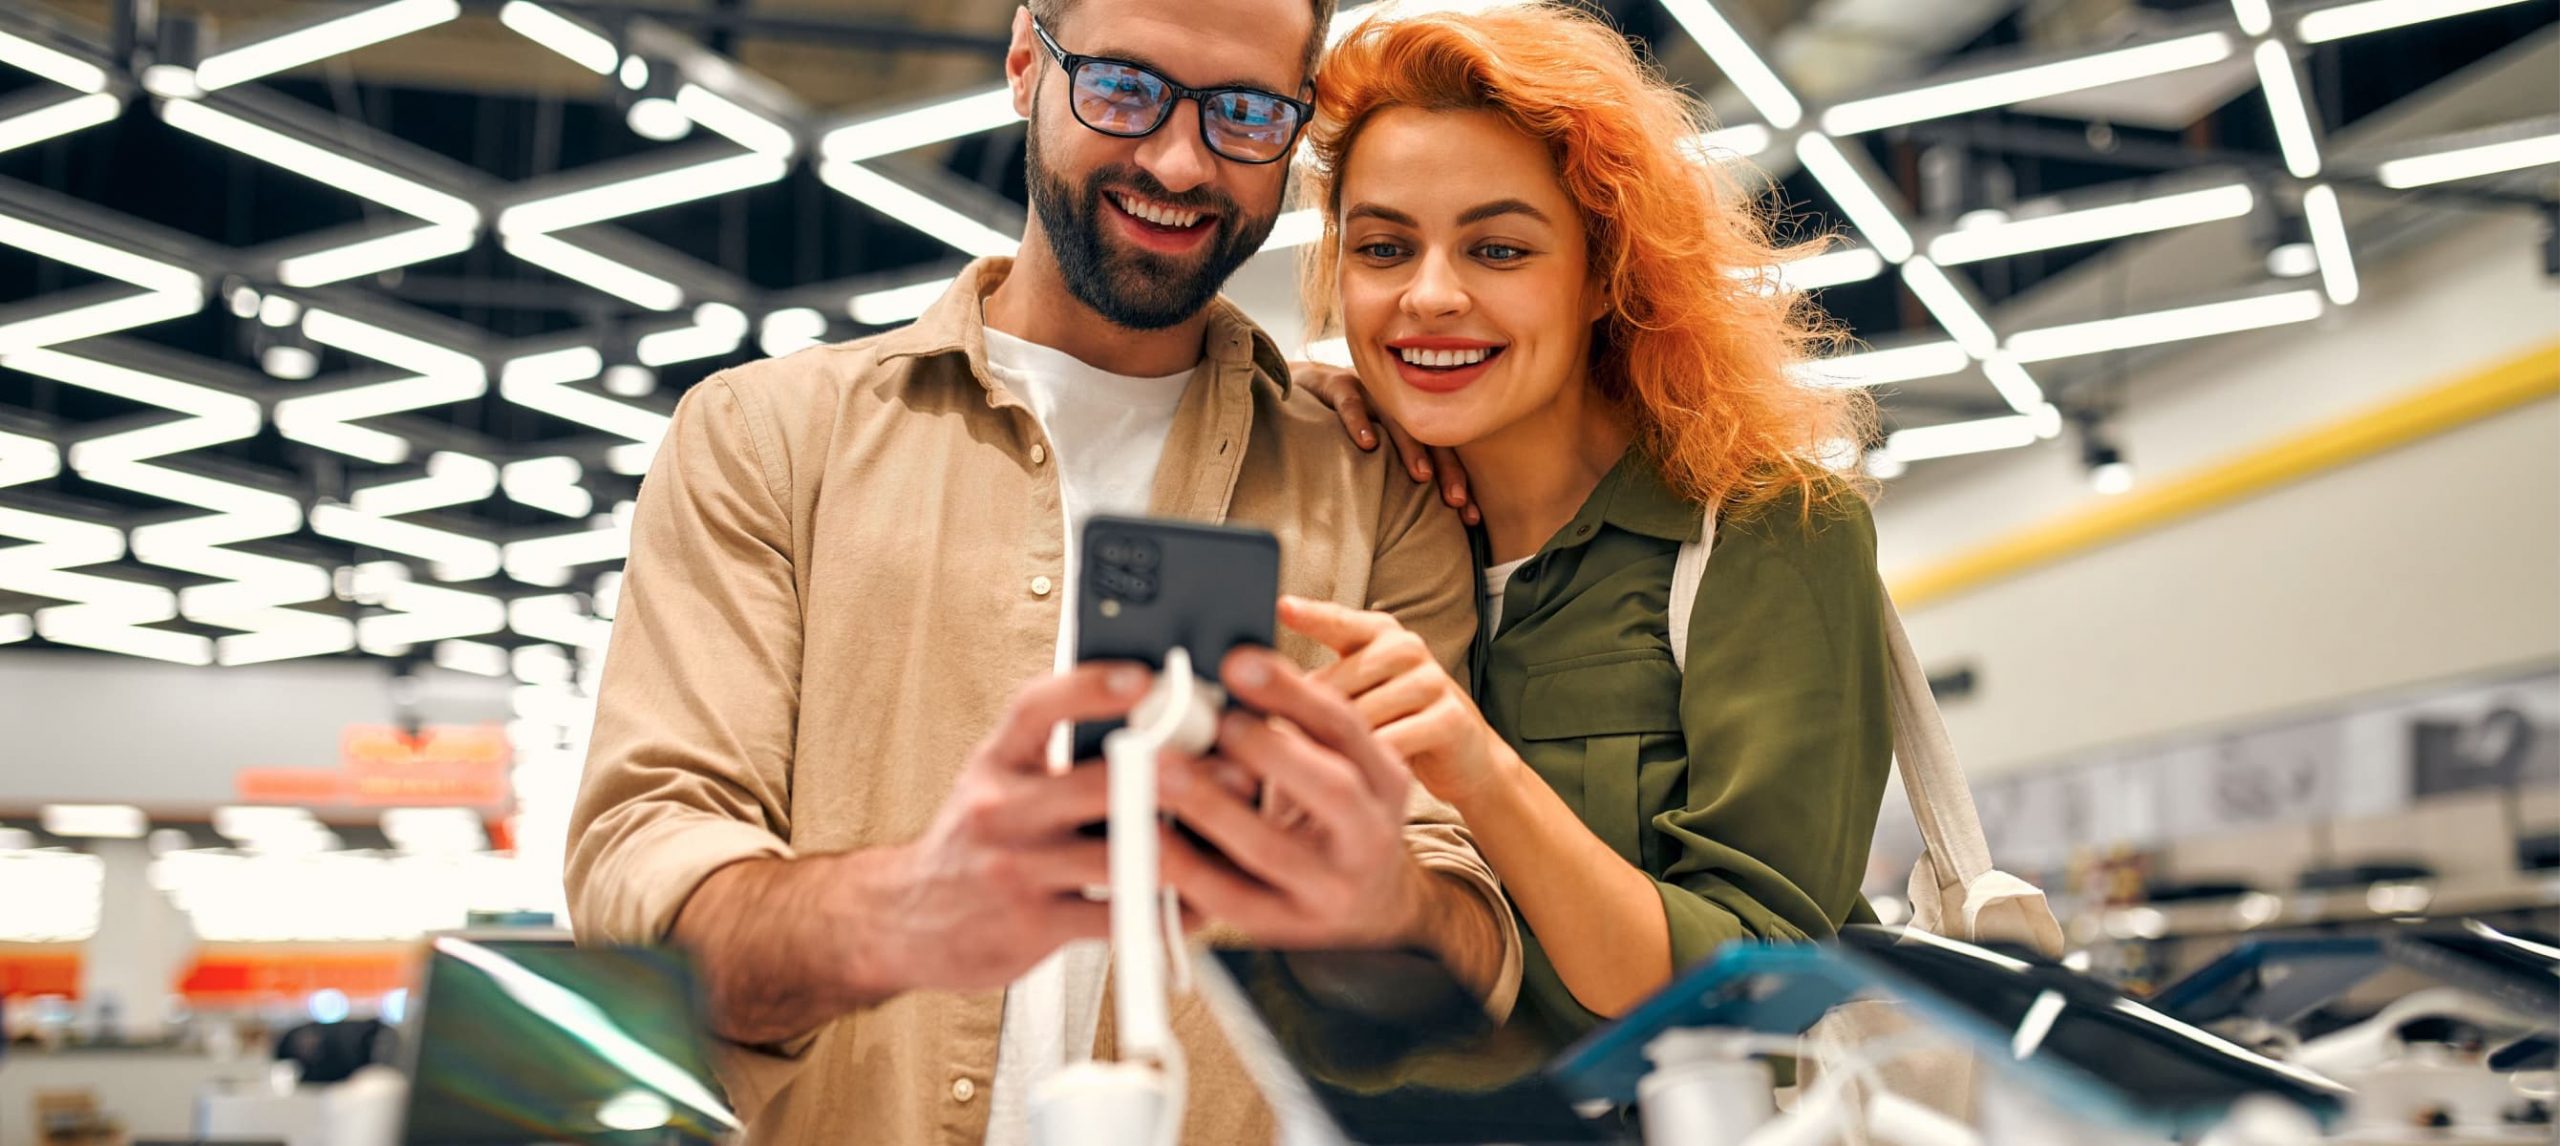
1423,577
1784,709
690,766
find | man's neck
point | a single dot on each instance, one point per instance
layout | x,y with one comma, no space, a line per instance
1034,304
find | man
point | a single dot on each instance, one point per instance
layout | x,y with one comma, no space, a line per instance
817,762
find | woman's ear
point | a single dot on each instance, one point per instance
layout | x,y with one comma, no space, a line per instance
1599,299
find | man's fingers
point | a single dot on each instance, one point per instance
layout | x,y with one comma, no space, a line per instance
1341,629
1040,805
1096,691
1453,476
1070,866
1415,456
1270,685
1211,888
1354,412
1234,826
1324,788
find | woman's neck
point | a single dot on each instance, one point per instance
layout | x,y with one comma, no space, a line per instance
1531,477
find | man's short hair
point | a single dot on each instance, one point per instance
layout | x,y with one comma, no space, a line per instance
1051,12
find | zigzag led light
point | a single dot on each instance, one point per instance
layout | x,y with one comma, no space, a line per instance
444,376
451,479
254,592
103,613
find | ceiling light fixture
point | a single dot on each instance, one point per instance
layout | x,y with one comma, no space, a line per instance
420,614
549,484
99,258
906,205
734,122
1953,439
1828,269
641,193
581,45
580,265
2040,81
1739,61
319,164
322,40
1848,187
2344,20
1947,302
2017,387
893,305
97,319
541,382
2295,134
2163,326
718,328
52,63
1885,367
57,119
2469,162
791,330
1725,144
2255,17
2329,240
95,821
2092,224
917,127
374,255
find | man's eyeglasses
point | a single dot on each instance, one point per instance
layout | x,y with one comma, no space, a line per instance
1116,97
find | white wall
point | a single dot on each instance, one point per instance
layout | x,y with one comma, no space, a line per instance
2433,561
78,727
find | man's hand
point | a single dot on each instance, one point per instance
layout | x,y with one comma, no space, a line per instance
1342,390
1334,874
991,888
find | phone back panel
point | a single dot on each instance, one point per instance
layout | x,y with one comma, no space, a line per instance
1148,585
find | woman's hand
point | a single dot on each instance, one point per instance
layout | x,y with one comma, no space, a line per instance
1341,389
1396,685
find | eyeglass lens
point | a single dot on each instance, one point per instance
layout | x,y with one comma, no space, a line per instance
1123,99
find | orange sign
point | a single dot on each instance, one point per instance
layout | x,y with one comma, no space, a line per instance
384,766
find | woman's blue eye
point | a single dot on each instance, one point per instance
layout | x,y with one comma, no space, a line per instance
1501,252
1379,250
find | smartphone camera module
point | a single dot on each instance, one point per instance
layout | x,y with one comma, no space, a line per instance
1126,572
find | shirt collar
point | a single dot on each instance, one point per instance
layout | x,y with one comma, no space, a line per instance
1634,497
956,324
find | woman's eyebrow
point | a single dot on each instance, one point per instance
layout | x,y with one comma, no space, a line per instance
1483,211
1384,214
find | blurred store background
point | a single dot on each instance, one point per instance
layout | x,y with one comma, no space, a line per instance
2219,344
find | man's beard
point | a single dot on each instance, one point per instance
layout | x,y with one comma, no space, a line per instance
1132,288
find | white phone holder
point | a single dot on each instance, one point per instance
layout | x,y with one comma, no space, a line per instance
1139,1098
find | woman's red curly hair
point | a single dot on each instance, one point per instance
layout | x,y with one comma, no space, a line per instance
1697,343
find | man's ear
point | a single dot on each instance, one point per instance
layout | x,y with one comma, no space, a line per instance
1022,62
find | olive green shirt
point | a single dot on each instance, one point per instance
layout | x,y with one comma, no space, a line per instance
1747,786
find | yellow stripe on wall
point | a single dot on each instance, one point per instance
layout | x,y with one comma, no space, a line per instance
2526,377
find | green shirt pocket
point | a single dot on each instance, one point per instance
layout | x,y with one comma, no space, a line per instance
1586,722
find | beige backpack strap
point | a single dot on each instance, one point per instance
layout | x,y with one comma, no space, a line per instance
1687,570
1954,890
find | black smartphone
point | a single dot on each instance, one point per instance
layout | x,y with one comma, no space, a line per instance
1149,585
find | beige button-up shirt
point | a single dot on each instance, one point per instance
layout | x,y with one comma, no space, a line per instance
843,564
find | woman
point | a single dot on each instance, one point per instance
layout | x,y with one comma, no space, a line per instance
1534,270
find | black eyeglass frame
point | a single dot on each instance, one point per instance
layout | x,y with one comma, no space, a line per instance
1068,62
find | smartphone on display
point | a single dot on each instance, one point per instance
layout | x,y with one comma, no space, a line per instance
1148,585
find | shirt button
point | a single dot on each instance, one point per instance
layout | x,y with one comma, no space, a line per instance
1040,587
962,1090
1039,454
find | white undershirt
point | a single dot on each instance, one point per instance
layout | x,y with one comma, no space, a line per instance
1106,434
1496,579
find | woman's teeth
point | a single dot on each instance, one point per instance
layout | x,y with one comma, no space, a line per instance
1160,216
1444,358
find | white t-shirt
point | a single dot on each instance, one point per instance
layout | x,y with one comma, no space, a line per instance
1496,579
1106,435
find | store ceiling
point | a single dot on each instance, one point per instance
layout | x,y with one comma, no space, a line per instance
445,480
